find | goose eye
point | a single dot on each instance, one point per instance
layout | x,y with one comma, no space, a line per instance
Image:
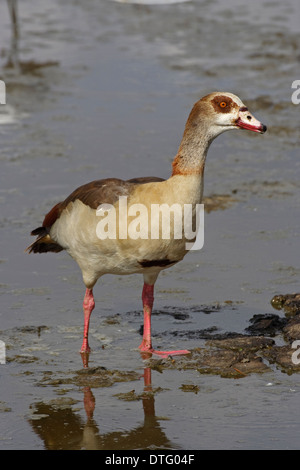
223,104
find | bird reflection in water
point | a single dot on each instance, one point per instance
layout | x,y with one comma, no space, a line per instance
61,428
13,62
13,56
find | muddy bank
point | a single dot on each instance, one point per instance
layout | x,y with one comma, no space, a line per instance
229,355
233,355
230,358
263,348
267,342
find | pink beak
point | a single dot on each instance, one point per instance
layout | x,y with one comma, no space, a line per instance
247,121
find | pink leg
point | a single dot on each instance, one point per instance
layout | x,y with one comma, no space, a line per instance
88,306
147,298
146,345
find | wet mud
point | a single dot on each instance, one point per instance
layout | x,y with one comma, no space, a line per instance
218,202
234,355
58,421
265,344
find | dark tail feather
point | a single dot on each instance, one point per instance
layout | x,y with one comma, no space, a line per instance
40,231
43,243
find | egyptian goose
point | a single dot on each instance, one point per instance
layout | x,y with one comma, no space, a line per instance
73,225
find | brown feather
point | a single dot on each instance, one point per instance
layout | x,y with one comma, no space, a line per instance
105,191
51,217
92,194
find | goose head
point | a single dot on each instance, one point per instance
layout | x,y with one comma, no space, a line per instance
224,111
211,116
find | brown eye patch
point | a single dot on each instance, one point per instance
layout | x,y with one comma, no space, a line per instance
223,104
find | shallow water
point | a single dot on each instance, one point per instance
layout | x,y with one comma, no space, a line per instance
104,89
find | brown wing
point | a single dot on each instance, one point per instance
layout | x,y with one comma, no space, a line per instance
92,194
97,192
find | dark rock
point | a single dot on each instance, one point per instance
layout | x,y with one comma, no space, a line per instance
266,324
